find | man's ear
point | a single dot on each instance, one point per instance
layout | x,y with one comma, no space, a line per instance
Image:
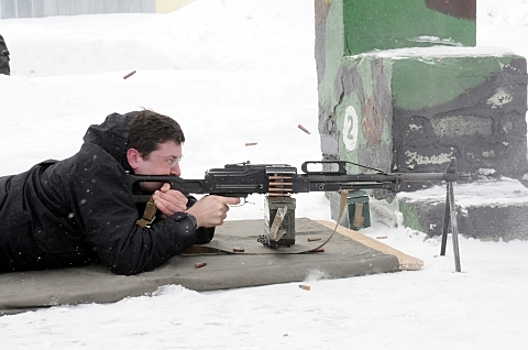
133,158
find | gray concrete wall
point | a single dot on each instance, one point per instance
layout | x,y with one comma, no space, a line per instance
43,8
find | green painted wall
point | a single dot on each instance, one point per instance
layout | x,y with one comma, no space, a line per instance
424,82
411,217
329,46
391,24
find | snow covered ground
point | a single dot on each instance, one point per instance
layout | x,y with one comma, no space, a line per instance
231,72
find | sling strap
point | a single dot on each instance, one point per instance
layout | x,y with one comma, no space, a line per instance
148,215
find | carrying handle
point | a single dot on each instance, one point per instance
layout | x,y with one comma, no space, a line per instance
325,167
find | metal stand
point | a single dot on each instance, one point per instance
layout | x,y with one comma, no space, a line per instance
450,217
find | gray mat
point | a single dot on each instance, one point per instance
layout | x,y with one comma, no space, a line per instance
342,257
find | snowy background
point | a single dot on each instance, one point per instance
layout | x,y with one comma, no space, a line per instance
232,72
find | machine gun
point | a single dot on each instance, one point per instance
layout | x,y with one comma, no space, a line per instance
243,179
279,182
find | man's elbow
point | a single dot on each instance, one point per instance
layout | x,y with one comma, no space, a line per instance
124,270
127,268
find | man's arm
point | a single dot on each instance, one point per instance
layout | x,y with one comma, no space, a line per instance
210,211
107,217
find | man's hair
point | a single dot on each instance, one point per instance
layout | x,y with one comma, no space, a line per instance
148,129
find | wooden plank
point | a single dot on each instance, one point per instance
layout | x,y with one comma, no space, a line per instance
407,262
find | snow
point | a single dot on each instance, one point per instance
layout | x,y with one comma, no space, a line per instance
442,51
232,72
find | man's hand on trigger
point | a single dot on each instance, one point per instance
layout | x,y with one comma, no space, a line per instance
169,201
211,211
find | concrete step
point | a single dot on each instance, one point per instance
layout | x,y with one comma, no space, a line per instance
486,209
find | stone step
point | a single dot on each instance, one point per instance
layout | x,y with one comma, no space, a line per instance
486,210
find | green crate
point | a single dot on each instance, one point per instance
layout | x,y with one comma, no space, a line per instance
356,215
271,206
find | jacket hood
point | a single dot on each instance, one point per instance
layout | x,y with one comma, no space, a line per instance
112,135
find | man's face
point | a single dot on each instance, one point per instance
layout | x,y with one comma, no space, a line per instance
163,161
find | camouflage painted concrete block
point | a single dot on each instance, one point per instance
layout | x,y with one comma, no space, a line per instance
402,88
415,111
412,109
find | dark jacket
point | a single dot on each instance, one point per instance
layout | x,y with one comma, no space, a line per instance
4,58
81,210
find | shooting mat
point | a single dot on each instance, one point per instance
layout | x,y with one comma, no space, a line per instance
348,253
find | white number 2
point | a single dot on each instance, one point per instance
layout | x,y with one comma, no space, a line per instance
350,129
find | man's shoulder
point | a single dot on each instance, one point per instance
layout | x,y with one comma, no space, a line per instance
92,159
94,153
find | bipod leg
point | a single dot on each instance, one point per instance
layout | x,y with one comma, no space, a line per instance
450,217
454,226
447,219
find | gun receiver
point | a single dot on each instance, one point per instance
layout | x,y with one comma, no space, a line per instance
241,180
